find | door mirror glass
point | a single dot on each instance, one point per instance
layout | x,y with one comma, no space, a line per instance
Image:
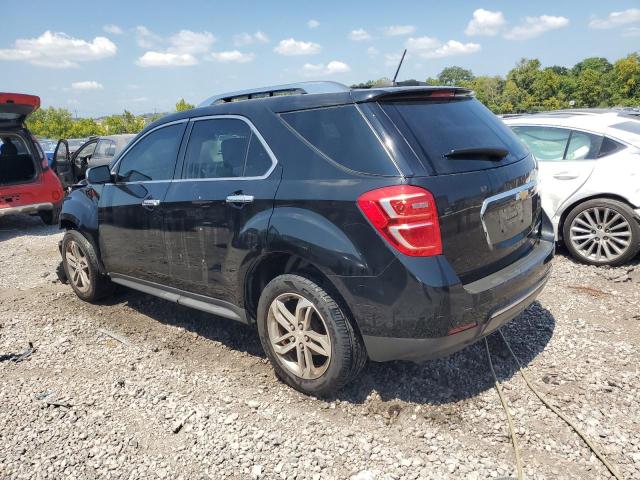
98,175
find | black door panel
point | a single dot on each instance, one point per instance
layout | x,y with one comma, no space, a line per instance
209,238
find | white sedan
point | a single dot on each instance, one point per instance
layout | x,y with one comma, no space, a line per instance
589,171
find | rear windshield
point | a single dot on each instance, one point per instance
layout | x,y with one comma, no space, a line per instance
437,128
343,135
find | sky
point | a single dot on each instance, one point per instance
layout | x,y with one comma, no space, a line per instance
97,58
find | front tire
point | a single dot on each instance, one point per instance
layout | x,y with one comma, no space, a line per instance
602,232
81,266
311,344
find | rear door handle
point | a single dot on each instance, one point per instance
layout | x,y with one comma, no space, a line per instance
240,199
150,202
565,176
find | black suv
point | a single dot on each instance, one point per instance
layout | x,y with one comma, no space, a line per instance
382,224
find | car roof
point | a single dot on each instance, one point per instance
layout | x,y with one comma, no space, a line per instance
600,121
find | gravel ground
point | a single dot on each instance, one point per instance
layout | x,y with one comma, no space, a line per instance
192,396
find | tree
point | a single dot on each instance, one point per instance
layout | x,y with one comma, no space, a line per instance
455,76
181,105
625,81
125,123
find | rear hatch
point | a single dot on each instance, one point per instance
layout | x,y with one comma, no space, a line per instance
16,107
18,151
482,178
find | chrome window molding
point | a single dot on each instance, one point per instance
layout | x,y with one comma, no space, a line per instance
254,130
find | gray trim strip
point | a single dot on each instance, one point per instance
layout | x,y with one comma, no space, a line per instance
202,302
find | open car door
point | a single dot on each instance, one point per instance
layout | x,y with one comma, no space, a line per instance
62,164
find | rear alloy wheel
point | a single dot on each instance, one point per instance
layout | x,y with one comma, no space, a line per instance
311,344
81,268
299,336
602,232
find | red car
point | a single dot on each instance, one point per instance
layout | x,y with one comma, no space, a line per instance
27,184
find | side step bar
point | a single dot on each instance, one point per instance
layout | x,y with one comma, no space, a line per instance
181,297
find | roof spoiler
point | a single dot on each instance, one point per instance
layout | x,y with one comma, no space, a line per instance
414,93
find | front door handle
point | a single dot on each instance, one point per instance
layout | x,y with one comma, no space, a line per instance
150,202
242,199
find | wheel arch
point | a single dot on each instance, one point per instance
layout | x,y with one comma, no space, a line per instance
274,264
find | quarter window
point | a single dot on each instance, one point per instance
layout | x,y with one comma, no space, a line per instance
153,157
224,148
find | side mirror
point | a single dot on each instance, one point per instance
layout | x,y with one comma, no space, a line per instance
98,175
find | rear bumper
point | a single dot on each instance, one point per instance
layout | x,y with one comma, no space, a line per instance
33,208
411,311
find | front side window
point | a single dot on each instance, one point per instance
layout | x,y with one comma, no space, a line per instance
224,148
153,157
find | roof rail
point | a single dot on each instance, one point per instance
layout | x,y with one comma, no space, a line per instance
300,88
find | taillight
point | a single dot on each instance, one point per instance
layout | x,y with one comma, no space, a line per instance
406,217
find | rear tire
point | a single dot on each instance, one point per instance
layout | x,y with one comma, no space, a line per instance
310,342
602,232
82,268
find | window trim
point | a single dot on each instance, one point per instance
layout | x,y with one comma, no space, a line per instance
254,131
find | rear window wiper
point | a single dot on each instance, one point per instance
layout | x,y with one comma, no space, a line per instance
485,153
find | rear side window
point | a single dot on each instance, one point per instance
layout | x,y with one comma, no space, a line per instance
343,135
153,157
224,148
556,144
440,127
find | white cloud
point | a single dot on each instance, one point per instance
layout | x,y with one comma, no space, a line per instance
422,43
393,59
615,19
372,51
333,67
430,47
248,38
145,38
396,30
188,42
291,46
451,48
534,26
359,34
313,23
58,50
485,22
181,51
87,85
166,59
232,56
113,29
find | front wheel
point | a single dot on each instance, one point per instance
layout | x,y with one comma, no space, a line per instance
80,264
50,217
602,232
311,344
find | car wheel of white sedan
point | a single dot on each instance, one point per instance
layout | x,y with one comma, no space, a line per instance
602,232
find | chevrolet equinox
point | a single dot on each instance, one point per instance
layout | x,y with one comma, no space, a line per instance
399,223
